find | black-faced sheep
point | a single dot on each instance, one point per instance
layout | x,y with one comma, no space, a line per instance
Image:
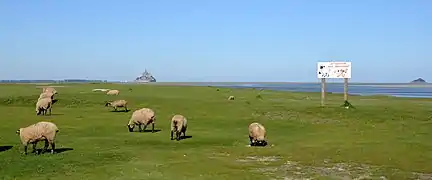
178,125
44,105
117,103
41,131
144,116
257,134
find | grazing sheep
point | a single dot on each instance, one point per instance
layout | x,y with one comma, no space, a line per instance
117,103
41,131
44,105
178,125
231,98
49,89
46,95
113,92
257,134
143,116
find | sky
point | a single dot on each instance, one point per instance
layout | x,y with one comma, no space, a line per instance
215,40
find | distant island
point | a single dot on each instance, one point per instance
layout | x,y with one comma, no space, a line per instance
419,80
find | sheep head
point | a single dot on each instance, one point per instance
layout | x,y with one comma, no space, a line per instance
130,127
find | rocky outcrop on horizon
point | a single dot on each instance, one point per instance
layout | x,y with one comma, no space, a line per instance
419,80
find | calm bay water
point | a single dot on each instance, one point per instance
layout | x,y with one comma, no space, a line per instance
398,90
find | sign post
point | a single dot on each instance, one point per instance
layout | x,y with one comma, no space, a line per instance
334,70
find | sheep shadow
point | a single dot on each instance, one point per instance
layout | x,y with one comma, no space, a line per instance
5,148
149,130
182,138
185,137
120,111
56,151
56,114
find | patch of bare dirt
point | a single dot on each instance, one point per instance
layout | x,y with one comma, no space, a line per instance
338,171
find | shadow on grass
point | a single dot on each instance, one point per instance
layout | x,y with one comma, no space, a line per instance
57,150
149,130
146,131
5,148
54,114
185,137
120,111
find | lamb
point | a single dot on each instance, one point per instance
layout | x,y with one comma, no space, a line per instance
231,98
113,92
46,95
49,89
257,134
44,105
41,131
117,103
143,116
178,125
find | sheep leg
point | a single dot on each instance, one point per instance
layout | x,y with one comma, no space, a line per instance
45,146
34,147
126,109
52,147
139,128
115,108
251,140
145,127
178,135
172,133
153,128
25,149
50,111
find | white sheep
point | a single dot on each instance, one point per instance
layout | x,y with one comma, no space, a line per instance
113,92
44,105
49,89
144,116
257,134
178,125
117,103
46,95
231,98
41,131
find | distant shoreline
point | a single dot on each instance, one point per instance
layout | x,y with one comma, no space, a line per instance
385,85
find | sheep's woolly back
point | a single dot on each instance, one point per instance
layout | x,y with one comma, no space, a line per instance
49,89
257,131
46,95
178,121
44,103
113,92
142,116
39,131
118,103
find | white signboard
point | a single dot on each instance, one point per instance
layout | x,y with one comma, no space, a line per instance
334,70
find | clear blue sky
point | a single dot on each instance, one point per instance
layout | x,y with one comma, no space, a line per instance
215,40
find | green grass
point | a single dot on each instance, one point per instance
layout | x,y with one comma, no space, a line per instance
382,136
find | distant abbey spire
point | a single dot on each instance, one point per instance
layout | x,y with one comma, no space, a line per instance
145,77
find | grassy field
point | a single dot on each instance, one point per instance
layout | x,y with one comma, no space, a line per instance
381,137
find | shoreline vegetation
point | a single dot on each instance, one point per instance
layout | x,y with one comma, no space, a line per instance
382,137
